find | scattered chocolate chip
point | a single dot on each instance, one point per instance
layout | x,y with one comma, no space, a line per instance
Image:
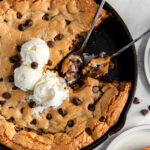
18,129
34,65
59,37
121,88
95,89
2,103
22,27
49,62
14,87
102,119
1,79
21,110
91,107
11,78
76,101
16,65
19,15
70,123
48,116
5,20
68,22
11,107
50,44
102,55
144,112
1,0
46,17
88,131
28,23
18,48
136,101
11,119
14,59
62,111
6,95
33,122
32,104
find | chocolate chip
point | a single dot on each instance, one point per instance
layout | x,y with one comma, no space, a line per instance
121,88
91,107
14,59
1,0
18,129
6,95
32,104
2,103
11,78
88,131
50,44
40,131
1,79
33,122
144,112
46,17
136,101
49,62
21,110
18,48
102,119
149,107
59,37
5,20
14,87
68,22
70,123
11,107
48,116
95,89
16,65
62,111
19,15
22,27
11,119
28,23
34,65
76,101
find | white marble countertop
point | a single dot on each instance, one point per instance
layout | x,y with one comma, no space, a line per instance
136,14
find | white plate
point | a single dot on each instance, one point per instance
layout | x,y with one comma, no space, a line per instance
132,139
147,61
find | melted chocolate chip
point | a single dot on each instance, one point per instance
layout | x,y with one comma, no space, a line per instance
11,78
59,37
95,89
32,104
50,44
70,123
1,79
14,59
19,15
49,62
16,65
22,27
144,112
46,17
18,48
136,101
121,88
68,22
91,107
14,87
102,119
34,65
28,23
2,103
11,119
88,131
34,122
62,111
6,95
21,110
11,107
48,116
76,101
18,129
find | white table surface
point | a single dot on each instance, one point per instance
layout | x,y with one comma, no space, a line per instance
136,14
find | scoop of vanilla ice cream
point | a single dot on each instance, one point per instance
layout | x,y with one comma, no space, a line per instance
50,90
26,77
35,50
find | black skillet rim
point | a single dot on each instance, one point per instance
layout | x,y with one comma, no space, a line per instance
123,116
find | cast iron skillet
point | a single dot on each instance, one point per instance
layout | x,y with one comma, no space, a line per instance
109,37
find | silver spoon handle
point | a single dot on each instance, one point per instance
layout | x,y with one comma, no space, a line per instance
130,44
93,25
